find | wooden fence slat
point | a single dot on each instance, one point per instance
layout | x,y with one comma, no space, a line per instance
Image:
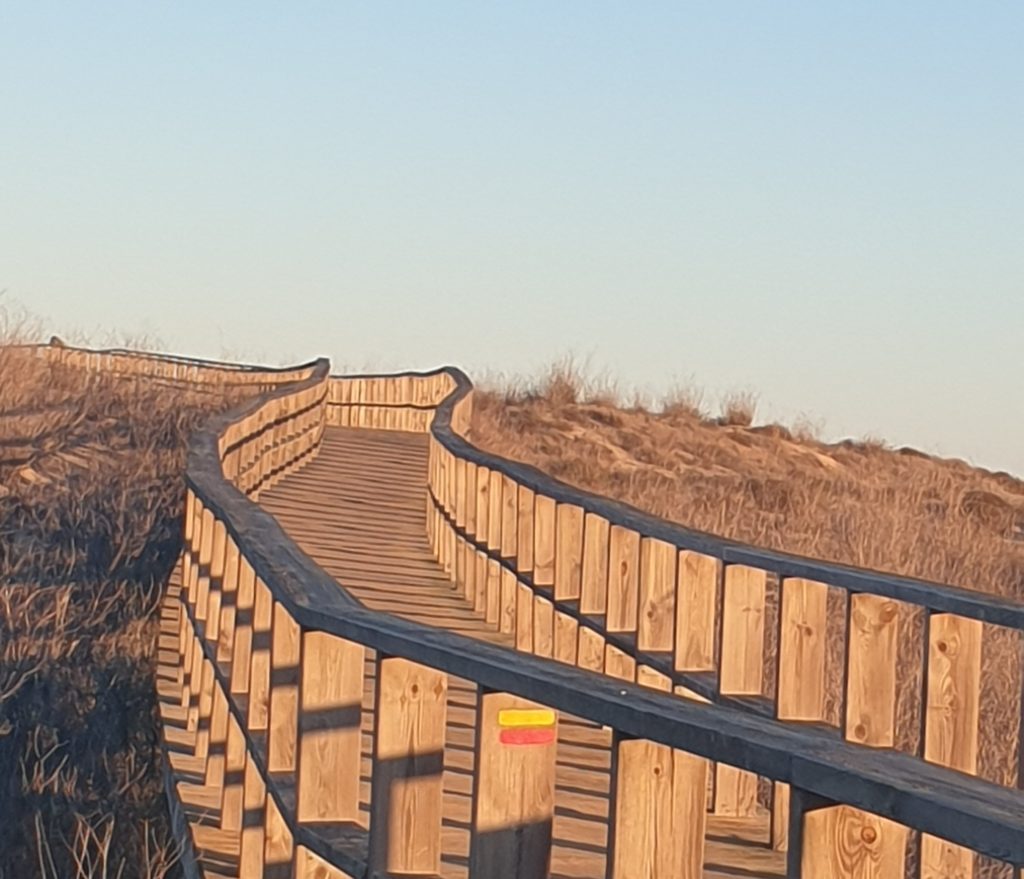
697,587
623,579
569,552
594,586
656,623
951,723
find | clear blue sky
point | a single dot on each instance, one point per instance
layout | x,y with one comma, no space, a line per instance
822,202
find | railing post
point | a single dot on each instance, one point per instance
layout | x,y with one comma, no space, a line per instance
329,728
259,675
544,537
286,661
241,644
408,768
800,694
232,801
279,850
741,673
513,788
951,723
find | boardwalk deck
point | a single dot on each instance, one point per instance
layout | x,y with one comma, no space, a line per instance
358,509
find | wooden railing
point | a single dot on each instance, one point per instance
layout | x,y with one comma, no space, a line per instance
877,660
616,615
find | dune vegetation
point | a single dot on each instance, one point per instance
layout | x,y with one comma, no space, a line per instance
90,507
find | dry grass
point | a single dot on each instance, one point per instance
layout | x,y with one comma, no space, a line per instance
90,500
858,503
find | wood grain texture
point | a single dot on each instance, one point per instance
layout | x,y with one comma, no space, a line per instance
802,651
658,808
698,578
514,798
845,843
525,527
656,623
594,587
330,728
408,754
569,552
623,579
285,662
743,631
951,724
545,526
871,671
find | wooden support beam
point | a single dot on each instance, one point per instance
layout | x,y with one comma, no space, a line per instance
513,788
871,671
329,728
408,766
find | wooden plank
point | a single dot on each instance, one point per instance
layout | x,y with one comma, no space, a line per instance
241,650
951,723
492,598
524,618
510,518
524,540
482,515
697,588
566,629
513,788
229,604
509,599
232,799
843,843
591,650
408,761
569,553
495,518
330,736
259,675
871,671
656,624
309,866
250,862
743,624
279,847
544,536
543,627
658,812
623,579
802,651
594,586
618,664
285,663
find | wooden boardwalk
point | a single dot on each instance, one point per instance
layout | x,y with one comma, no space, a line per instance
359,510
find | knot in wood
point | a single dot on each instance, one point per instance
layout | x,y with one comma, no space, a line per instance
868,834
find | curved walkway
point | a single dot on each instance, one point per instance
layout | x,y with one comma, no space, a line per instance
359,510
